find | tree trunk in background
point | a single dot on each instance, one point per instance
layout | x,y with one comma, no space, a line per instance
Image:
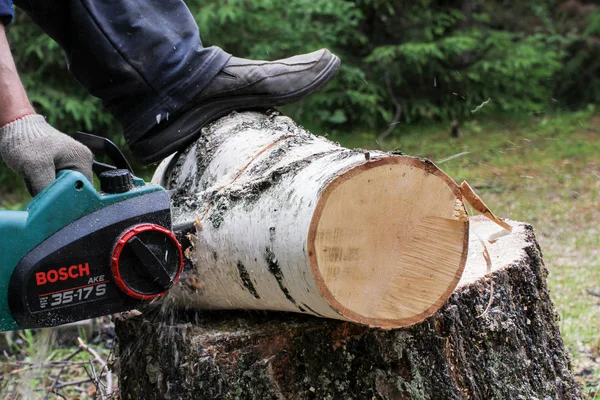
467,350
288,221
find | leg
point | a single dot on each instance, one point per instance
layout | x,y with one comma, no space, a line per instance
145,60
135,55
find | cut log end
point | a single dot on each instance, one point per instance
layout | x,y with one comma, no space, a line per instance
374,234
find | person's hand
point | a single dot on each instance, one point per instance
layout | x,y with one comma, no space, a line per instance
34,149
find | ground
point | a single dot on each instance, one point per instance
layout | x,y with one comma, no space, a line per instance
49,364
542,169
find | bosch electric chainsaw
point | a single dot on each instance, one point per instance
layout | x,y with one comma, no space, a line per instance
75,253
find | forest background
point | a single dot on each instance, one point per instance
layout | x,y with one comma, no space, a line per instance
405,62
521,80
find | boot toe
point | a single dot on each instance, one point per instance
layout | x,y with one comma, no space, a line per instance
242,85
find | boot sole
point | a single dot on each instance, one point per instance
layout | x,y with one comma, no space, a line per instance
187,128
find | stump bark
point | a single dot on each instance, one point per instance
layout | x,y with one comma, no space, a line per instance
510,348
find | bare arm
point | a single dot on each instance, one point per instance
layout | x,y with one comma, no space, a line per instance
13,102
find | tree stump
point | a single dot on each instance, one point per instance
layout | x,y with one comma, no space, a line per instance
510,348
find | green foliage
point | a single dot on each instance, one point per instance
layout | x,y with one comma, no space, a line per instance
577,84
454,62
273,29
436,58
51,89
402,59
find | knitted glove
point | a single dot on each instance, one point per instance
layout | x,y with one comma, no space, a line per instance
37,151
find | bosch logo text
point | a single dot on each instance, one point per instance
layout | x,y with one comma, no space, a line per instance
62,274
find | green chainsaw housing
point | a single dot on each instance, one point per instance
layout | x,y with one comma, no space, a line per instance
67,200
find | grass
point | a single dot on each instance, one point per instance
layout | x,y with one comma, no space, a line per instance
542,170
545,171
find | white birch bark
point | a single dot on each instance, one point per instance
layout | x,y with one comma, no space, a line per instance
289,221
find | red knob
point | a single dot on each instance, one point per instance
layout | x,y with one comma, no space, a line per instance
146,261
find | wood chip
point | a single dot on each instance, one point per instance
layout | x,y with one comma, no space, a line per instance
475,201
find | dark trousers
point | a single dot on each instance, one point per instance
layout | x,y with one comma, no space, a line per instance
143,58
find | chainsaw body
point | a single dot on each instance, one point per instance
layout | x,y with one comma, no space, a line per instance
75,253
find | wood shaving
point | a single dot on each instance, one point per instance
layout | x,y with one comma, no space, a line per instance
475,201
488,262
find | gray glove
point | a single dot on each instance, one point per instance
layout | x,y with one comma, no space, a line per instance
34,149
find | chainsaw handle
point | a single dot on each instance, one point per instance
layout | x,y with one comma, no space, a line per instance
102,146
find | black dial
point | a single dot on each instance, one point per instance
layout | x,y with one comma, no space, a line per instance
147,261
116,181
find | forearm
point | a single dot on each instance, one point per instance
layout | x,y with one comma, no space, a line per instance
13,102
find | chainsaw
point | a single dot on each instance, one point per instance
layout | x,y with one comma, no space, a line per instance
75,253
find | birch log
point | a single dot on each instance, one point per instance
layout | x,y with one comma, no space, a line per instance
288,221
